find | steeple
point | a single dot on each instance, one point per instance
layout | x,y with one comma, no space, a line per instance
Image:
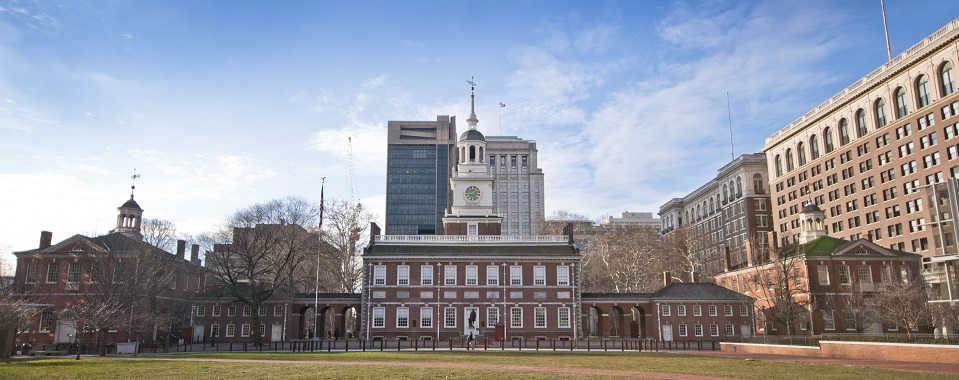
813,223
472,120
129,214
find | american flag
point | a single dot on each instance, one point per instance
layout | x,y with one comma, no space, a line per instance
501,105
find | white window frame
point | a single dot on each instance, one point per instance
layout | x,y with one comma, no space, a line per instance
743,310
683,330
728,310
539,317
379,317
472,275
403,275
516,317
562,275
215,330
822,271
713,311
426,275
201,311
245,330
449,275
697,310
516,275
277,310
216,311
539,275
402,317
449,317
563,321
492,317
379,275
666,310
426,317
698,329
713,330
492,275
681,310
230,330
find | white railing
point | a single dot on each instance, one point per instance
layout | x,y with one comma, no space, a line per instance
441,239
934,276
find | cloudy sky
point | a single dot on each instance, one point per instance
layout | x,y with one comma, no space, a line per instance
222,104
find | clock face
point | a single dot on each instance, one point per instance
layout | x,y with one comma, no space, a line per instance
472,193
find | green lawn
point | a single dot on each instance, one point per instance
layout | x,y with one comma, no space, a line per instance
460,365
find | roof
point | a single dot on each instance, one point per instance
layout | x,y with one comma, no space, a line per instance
113,242
698,291
830,246
472,134
470,250
131,204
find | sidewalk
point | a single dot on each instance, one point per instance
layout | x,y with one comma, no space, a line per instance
907,366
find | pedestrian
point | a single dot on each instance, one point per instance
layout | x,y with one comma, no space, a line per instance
336,334
469,341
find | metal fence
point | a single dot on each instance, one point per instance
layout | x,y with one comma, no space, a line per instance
952,339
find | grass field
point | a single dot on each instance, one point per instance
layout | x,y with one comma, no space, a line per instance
429,365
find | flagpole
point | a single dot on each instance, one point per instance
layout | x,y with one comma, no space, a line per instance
885,27
319,233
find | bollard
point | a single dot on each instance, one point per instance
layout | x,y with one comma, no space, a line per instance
537,345
587,345
346,345
416,345
451,344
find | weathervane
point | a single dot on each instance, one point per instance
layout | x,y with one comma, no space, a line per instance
133,184
472,84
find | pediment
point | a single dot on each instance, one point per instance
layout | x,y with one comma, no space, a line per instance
863,248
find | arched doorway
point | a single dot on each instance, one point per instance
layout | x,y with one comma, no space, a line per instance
349,322
593,323
637,322
615,322
328,322
307,318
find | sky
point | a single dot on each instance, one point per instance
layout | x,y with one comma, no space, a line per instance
219,105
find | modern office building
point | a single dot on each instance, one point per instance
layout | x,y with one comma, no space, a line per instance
420,158
633,219
518,195
876,156
723,216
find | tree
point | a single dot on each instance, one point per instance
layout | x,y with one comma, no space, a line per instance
625,260
904,303
776,277
857,304
15,316
266,243
159,233
687,247
946,314
344,227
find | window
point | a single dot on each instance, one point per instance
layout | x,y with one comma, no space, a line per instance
801,151
713,310
449,274
53,272
31,275
828,320
472,275
682,330
46,319
779,172
697,310
730,330
539,317
403,275
945,77
402,317
813,147
215,330
379,317
698,329
789,160
492,275
449,317
492,317
728,310
539,275
245,330
230,330
516,317
681,310
261,310
277,310
426,275
827,136
864,273
564,320
73,273
379,275
922,91
843,132
714,330
562,275
231,311
666,310
247,310
880,108
861,128
901,108
743,311
516,275
216,311
844,275
822,272
426,317
200,311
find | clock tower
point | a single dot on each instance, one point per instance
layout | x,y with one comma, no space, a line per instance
472,184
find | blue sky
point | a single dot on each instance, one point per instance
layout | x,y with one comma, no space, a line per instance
222,104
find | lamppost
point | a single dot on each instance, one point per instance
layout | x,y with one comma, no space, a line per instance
436,280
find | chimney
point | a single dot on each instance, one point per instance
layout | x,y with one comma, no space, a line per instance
46,237
195,254
667,278
750,250
694,277
726,263
180,249
374,231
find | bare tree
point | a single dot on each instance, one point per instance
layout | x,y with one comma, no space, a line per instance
946,314
777,282
625,260
687,247
344,227
159,233
15,316
856,303
268,241
904,303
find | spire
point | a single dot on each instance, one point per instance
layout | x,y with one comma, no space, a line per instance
472,120
133,183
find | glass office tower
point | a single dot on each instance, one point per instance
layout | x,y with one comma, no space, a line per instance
420,157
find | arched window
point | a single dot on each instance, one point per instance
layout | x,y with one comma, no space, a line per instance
732,190
827,135
712,206
758,184
789,160
739,187
801,151
880,108
779,166
901,108
843,132
813,147
945,77
725,194
922,91
699,212
861,129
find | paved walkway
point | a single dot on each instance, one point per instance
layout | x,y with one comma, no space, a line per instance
908,366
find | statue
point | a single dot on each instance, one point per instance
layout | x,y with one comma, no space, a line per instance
472,319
